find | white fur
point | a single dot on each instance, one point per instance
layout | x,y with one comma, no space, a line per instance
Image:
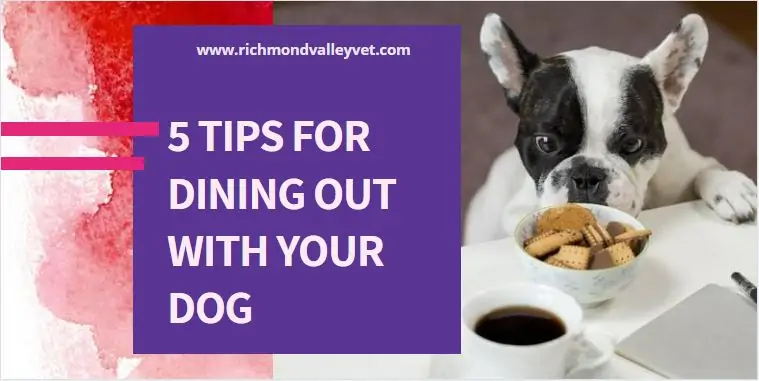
681,174
678,54
504,64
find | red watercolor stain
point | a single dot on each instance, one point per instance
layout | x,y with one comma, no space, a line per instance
86,276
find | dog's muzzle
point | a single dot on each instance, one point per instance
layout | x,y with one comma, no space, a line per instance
588,184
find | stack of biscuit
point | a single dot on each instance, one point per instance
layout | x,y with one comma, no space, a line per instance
569,236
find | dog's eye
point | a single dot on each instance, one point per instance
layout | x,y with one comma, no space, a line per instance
546,144
632,145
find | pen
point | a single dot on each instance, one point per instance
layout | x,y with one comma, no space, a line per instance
746,286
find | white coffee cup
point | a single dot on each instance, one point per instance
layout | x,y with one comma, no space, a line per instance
577,350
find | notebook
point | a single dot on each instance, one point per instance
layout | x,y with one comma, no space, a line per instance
709,335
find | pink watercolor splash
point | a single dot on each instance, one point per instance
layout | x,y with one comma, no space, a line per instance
64,48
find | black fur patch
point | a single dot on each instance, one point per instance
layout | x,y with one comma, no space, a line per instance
640,117
549,105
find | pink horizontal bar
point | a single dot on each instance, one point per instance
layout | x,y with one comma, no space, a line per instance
71,163
79,129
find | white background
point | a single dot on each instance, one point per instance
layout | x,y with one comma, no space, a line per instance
35,343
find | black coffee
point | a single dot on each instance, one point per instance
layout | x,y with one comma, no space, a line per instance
520,326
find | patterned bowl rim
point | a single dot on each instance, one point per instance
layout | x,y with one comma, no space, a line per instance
575,271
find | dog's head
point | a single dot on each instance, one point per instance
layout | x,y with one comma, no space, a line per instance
591,121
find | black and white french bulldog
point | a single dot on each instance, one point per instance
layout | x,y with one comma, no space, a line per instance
598,126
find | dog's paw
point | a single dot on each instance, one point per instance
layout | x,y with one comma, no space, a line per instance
731,194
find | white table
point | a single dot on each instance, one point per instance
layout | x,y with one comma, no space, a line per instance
691,247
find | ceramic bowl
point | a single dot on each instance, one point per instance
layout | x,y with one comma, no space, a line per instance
589,287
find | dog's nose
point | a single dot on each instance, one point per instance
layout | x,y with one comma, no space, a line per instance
586,178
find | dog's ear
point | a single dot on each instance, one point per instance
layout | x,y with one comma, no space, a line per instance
677,59
509,60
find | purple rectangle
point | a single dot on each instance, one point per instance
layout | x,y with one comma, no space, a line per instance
411,104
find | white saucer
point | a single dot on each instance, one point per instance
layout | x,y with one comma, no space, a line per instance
448,367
